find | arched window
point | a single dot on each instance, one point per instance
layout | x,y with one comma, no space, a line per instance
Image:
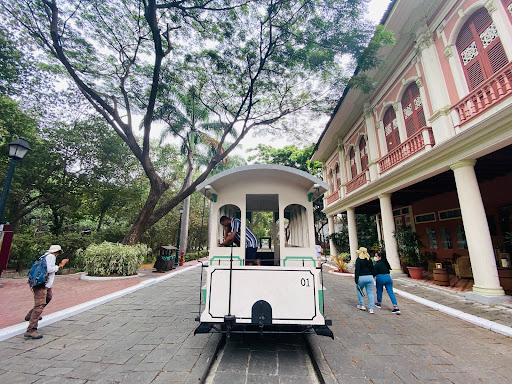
296,226
332,187
480,49
391,129
353,167
363,153
413,110
231,212
338,176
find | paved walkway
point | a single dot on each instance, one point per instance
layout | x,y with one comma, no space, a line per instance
146,337
501,314
421,345
16,298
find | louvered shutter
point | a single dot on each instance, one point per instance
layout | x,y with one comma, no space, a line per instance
412,108
391,129
363,153
338,176
353,167
480,49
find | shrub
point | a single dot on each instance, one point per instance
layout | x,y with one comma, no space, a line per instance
339,262
193,255
108,259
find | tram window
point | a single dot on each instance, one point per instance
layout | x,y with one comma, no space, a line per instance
231,211
296,226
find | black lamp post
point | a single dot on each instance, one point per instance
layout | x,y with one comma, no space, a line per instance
17,149
178,242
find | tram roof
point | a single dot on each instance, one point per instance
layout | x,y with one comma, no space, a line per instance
266,173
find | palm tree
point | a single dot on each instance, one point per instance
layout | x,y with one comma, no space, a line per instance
187,118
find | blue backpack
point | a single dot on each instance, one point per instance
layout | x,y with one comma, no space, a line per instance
38,274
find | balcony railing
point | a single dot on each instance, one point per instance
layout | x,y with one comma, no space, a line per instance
356,182
424,138
332,198
493,90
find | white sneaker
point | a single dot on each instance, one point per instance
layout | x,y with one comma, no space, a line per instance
371,311
361,307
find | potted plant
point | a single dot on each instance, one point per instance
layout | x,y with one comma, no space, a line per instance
409,244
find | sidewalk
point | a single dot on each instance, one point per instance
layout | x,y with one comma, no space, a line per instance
16,298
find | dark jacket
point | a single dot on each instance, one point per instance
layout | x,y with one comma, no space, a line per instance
363,267
380,268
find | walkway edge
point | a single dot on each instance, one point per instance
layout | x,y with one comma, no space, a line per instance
18,329
484,323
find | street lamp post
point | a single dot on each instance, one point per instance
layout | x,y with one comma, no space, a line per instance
178,242
17,149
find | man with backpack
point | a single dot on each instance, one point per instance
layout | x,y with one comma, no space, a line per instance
42,291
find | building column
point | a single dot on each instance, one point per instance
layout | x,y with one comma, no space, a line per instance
352,233
330,220
343,169
502,24
388,227
373,149
487,287
441,122
402,130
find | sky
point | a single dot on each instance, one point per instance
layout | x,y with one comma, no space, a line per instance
376,10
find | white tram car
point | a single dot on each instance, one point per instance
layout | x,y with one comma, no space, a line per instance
283,294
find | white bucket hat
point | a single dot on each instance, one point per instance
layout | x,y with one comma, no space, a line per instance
54,248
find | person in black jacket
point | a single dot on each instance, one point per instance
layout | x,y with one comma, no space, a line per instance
383,279
364,278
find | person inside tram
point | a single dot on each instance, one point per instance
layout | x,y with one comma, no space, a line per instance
232,229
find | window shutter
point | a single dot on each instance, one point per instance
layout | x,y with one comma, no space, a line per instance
412,108
480,49
391,129
363,152
353,168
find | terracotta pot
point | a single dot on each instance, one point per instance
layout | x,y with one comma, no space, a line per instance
505,276
415,272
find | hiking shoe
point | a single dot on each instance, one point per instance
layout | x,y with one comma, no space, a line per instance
396,311
28,318
361,307
371,311
378,305
33,335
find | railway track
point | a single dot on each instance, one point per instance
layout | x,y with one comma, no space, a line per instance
250,358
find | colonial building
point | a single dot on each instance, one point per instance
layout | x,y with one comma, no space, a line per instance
431,145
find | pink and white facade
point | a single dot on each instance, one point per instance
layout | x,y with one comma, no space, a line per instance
431,145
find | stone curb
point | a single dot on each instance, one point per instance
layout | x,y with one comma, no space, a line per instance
479,321
18,329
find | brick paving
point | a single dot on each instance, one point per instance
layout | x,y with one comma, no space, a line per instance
16,298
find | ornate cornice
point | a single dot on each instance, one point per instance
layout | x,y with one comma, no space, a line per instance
490,6
448,51
424,40
419,82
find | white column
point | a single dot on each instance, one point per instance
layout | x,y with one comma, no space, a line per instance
379,235
358,159
373,149
401,121
502,24
343,169
330,220
352,233
476,228
440,120
388,227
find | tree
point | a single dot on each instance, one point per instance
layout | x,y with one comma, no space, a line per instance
253,63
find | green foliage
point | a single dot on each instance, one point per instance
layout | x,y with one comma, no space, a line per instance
340,241
290,156
409,244
193,255
26,248
107,259
346,257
